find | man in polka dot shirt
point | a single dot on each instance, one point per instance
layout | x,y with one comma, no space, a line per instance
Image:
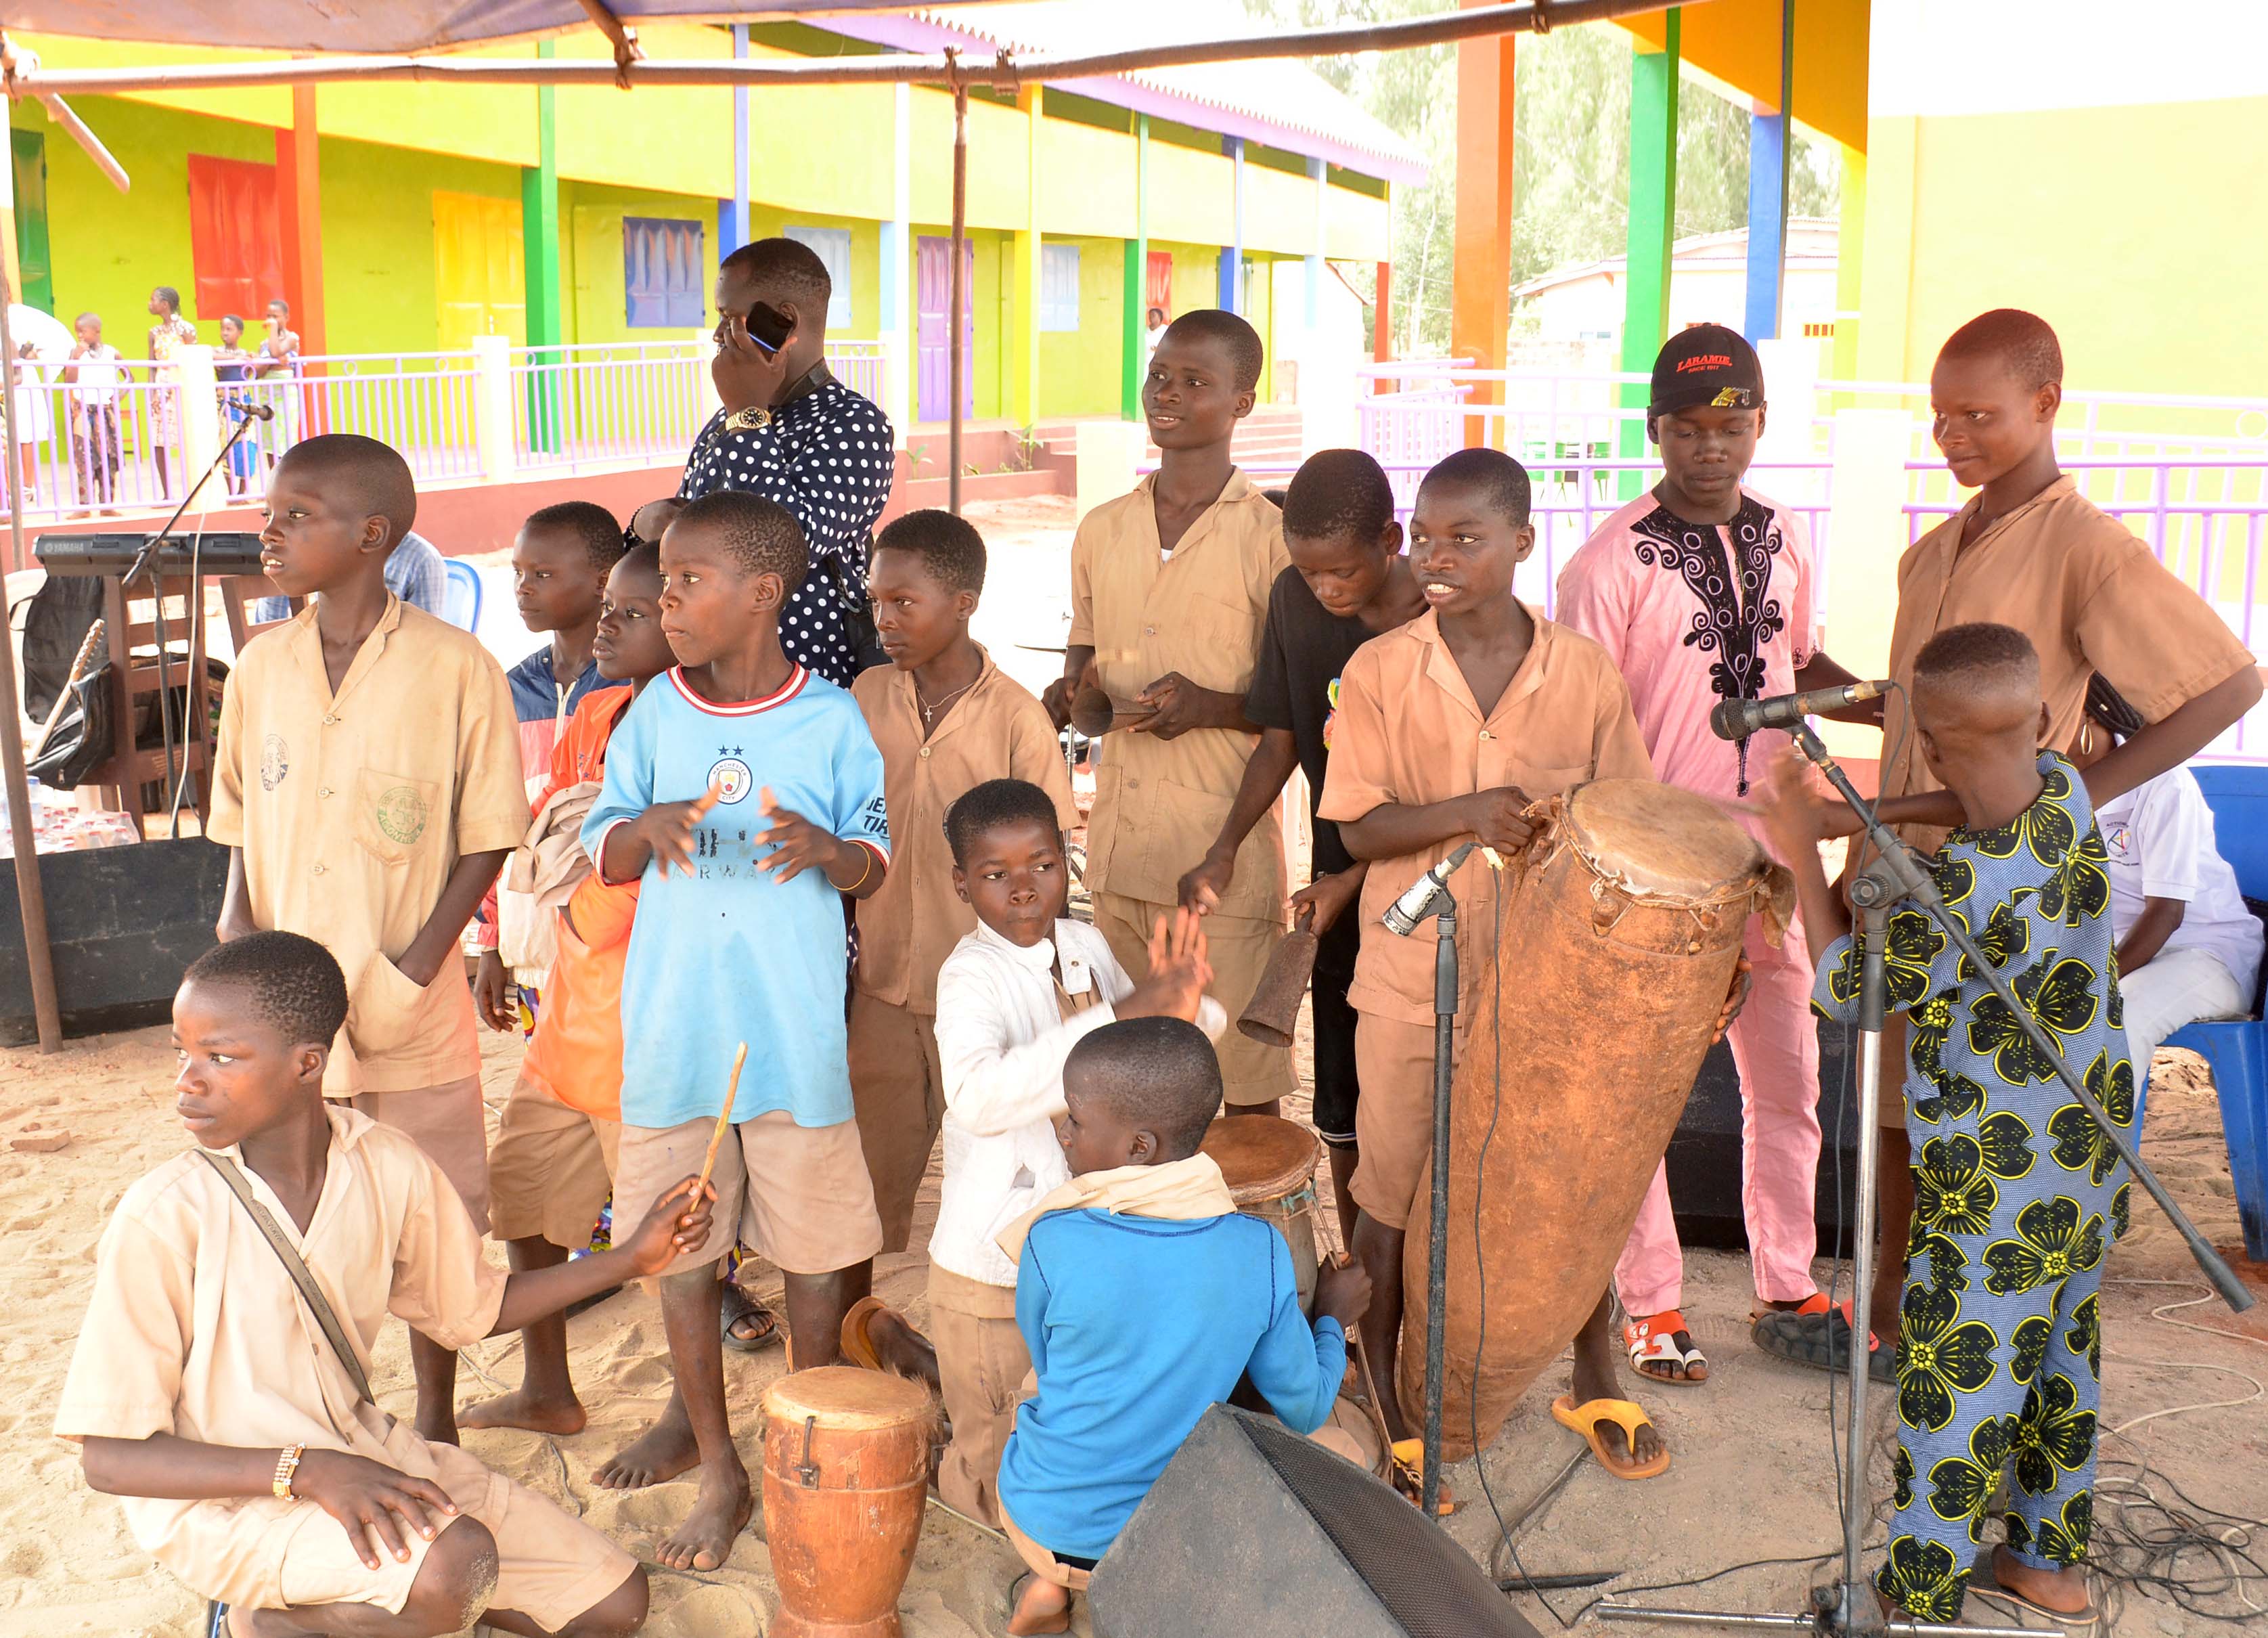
790,432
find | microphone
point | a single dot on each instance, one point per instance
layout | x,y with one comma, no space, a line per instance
1737,718
259,412
1402,916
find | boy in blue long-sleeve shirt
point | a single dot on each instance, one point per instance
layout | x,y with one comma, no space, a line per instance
1143,1297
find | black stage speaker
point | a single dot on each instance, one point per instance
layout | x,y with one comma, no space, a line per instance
1705,1155
1253,1532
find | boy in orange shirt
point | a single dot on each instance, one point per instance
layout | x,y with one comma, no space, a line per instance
552,1165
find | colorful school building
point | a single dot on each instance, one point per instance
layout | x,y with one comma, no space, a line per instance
411,218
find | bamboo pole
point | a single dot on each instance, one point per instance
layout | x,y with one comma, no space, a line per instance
959,299
1525,16
31,898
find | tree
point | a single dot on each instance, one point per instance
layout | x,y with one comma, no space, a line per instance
1570,153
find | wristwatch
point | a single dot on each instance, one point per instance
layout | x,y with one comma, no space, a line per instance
753,419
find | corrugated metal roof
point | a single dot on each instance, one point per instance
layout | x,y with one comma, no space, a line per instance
1277,101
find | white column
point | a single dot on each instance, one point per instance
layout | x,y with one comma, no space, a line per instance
1861,563
896,329
492,407
191,375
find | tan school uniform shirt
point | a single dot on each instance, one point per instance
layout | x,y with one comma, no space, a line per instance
1159,803
1408,731
352,809
195,1330
995,731
2085,591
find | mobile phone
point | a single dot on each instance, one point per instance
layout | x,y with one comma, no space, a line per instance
768,327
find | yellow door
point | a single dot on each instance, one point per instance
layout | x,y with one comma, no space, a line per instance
479,278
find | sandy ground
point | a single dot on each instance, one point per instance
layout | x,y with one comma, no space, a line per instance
1753,1477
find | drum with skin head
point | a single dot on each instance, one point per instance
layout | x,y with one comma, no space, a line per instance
1589,1010
1269,1164
846,1476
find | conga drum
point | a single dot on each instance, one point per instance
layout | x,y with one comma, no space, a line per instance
1589,1018
846,1474
1269,1164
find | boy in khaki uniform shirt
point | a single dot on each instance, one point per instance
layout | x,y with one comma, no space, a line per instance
945,719
1169,598
1419,764
368,786
231,1417
2030,551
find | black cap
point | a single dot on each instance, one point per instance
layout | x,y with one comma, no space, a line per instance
1707,366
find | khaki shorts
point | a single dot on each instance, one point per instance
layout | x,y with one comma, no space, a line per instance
1238,950
551,1169
982,1363
897,1088
1393,1122
800,1195
450,1124
551,1566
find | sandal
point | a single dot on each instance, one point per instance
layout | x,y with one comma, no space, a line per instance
1652,1341
1585,1419
1984,1582
1821,1339
1015,1601
741,1309
857,1341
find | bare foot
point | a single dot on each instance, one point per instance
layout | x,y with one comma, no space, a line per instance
662,1453
901,1348
1594,1379
719,1514
524,1407
2063,1590
1044,1607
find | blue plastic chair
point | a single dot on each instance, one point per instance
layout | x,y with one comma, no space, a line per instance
462,607
2238,1053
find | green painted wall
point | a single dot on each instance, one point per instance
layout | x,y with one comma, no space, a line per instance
764,221
377,240
591,216
1079,369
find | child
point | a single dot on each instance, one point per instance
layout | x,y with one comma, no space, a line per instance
739,938
2020,1193
649,522
2030,552
92,376
1144,1296
1347,583
232,367
1448,728
1700,591
2189,947
1169,595
1019,992
368,786
416,573
199,1359
559,565
945,718
552,1161
277,370
167,337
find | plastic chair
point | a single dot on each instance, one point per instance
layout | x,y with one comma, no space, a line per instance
2237,1053
462,607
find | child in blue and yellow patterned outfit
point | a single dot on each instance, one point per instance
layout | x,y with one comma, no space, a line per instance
2018,1194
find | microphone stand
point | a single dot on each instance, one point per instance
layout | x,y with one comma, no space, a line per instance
1849,1610
145,560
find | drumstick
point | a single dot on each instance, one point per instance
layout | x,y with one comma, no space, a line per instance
63,696
723,1119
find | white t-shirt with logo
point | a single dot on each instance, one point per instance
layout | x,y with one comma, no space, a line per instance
2161,841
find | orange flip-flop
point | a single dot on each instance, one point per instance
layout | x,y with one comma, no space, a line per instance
1585,1419
858,1340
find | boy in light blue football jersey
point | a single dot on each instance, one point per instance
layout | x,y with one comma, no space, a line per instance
745,795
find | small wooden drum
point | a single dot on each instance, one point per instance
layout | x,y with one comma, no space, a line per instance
846,1475
1270,1166
1589,1017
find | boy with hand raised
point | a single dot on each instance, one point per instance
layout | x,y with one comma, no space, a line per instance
553,1162
945,718
368,786
1170,593
1347,583
1143,1297
739,937
226,1408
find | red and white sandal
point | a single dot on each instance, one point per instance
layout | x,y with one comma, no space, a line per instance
1652,1340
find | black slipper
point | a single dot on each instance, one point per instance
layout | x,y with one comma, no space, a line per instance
739,1306
1821,1341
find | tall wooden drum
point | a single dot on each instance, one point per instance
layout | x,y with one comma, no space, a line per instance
1589,1018
846,1474
1269,1164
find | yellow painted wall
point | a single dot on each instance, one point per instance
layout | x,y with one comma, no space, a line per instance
1079,369
1087,180
2132,230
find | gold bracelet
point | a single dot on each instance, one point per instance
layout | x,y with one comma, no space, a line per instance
862,875
287,1464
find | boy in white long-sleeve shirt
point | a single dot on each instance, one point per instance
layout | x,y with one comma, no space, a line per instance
1013,999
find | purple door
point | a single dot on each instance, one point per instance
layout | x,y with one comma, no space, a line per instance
932,300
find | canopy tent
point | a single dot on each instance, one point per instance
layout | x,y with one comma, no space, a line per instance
379,26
